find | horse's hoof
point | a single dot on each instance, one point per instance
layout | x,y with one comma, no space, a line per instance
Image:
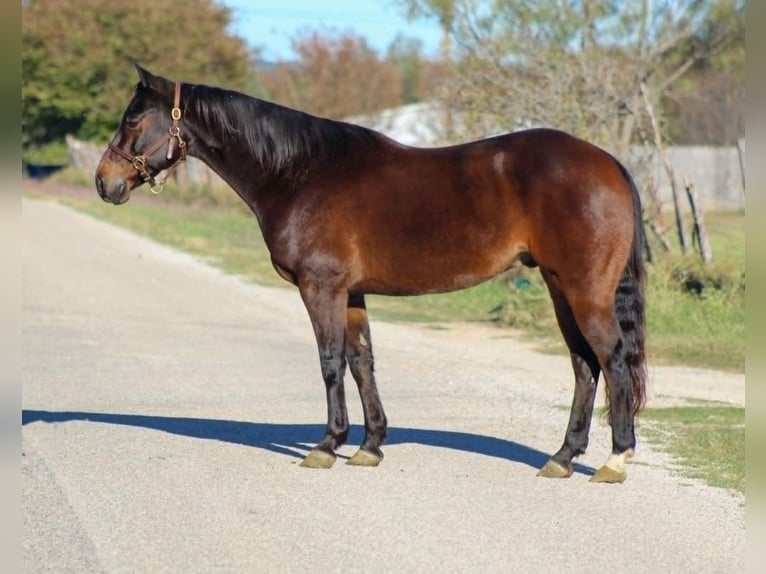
553,469
318,458
606,474
364,458
614,468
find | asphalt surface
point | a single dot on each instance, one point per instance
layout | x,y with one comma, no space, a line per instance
166,406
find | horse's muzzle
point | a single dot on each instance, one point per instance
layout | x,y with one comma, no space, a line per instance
115,192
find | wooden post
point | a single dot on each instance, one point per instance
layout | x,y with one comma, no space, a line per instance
700,232
660,234
741,155
680,225
655,221
647,246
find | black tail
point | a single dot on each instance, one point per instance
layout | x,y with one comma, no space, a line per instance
629,302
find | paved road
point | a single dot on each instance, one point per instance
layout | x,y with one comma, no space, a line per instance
166,406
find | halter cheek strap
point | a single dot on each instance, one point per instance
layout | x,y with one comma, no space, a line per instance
173,138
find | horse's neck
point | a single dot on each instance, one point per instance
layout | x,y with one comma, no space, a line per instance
238,168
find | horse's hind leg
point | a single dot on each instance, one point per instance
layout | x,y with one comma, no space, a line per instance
586,370
327,311
601,329
361,363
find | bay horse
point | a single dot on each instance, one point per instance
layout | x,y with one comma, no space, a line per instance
345,211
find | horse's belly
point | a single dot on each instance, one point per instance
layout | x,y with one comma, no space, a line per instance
414,272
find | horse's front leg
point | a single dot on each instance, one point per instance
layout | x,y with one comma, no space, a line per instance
327,310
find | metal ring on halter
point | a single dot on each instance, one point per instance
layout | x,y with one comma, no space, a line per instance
156,189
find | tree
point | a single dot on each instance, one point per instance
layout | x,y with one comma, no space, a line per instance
334,77
418,74
77,59
706,105
444,12
577,64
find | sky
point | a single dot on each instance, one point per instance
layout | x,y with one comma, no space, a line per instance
270,24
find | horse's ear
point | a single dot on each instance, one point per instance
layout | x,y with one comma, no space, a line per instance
156,83
144,75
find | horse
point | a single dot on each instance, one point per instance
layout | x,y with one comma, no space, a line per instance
346,211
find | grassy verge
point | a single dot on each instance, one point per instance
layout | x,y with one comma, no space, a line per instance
705,330
707,441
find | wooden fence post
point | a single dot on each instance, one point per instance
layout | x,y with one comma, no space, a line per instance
680,225
700,231
741,156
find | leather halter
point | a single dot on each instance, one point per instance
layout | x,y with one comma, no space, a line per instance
173,137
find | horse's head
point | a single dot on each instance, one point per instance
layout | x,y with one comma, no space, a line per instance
149,140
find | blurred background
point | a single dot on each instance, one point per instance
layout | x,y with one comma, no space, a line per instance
442,70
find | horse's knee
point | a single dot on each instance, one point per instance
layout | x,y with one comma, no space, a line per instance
360,363
333,367
359,354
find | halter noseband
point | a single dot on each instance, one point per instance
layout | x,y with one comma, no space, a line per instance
173,137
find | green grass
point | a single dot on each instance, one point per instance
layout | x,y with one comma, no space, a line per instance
705,330
707,441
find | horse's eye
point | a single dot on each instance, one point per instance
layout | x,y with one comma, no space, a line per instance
132,121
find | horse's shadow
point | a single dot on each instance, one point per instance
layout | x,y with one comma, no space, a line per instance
293,439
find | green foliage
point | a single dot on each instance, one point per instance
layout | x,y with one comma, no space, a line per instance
77,59
54,153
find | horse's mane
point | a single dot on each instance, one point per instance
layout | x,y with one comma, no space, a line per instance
279,138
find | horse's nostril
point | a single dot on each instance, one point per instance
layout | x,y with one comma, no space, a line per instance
101,188
119,191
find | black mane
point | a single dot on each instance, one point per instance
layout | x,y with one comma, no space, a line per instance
278,137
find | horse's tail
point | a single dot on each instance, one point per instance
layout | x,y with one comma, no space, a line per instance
629,302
